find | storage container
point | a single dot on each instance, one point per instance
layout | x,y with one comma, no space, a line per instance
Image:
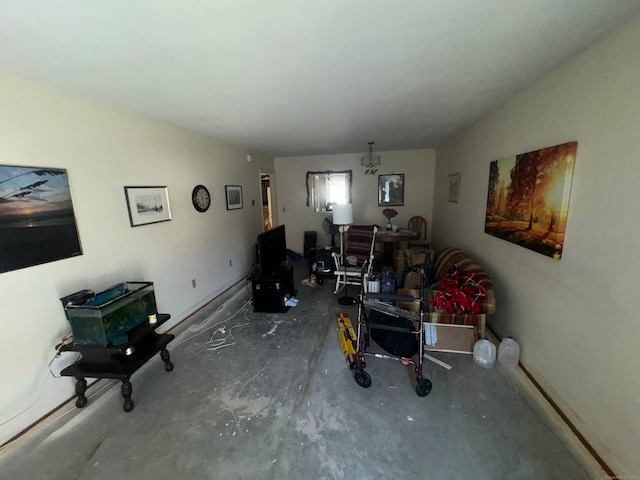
509,352
107,317
374,285
484,353
388,282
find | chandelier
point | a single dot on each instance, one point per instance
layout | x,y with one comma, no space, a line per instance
370,160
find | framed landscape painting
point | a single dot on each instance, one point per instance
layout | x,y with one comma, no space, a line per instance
147,205
37,221
528,198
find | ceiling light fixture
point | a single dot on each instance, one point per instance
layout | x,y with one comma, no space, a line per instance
370,160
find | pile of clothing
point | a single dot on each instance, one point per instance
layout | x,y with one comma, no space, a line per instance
312,281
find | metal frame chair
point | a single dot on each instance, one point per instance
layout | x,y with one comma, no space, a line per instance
360,248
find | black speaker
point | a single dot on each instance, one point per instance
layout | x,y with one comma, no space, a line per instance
310,242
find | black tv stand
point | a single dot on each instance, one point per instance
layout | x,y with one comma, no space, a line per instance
271,290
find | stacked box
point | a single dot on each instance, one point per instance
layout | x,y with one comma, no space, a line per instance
399,259
409,306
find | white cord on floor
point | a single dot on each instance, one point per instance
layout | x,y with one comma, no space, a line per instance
215,325
216,344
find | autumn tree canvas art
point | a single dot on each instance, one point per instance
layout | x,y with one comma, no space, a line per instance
528,198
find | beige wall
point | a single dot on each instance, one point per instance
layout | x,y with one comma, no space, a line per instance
418,167
103,150
576,319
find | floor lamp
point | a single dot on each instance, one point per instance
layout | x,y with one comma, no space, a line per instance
343,216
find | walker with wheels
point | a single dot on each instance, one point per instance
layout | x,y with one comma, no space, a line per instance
396,330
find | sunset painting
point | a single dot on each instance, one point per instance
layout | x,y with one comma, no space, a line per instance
528,198
37,223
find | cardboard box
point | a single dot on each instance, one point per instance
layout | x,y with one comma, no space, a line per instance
417,258
446,337
409,306
412,280
399,259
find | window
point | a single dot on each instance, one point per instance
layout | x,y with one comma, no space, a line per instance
328,188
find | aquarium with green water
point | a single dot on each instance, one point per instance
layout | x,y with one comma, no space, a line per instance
107,317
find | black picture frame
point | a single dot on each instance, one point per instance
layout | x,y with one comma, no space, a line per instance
391,190
37,217
233,194
147,205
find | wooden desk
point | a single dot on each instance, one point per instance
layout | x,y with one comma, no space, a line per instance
390,240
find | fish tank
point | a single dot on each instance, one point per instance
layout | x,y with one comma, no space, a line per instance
105,318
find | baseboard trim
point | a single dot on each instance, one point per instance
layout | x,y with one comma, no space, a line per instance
228,289
567,421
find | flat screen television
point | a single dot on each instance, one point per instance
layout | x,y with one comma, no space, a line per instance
271,250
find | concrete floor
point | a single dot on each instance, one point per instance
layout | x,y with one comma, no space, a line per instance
271,397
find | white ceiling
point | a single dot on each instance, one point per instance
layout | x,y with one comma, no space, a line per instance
295,77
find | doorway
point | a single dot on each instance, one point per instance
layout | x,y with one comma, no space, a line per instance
267,202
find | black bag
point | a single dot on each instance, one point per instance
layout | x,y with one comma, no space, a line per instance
399,341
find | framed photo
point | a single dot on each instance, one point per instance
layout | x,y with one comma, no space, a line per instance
391,190
147,205
454,187
37,222
234,196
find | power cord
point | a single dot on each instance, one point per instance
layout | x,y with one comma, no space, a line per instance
215,325
65,340
216,344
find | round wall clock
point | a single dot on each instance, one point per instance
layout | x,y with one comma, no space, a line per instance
201,198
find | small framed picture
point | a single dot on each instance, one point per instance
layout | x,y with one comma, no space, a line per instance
234,196
147,205
454,187
391,190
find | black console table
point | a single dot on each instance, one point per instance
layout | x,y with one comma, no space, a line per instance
119,361
270,290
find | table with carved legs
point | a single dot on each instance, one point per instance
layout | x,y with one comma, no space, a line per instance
119,361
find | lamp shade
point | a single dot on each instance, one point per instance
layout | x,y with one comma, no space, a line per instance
343,214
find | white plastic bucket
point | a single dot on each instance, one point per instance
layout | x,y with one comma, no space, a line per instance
484,353
509,352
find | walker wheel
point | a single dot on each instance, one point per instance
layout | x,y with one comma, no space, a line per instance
363,378
423,387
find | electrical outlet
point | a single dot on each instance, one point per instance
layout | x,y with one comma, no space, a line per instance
284,209
230,263
193,283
